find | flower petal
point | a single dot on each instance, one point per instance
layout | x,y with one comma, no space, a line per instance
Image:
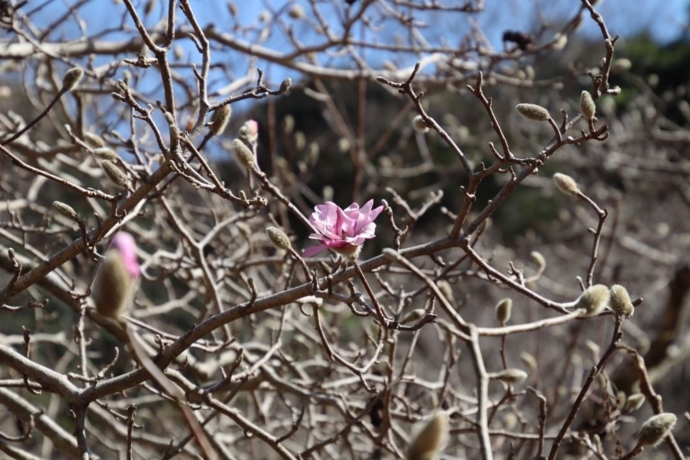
313,250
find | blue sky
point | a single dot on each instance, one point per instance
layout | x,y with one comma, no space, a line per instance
664,19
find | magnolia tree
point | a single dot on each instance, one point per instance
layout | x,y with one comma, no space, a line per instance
160,301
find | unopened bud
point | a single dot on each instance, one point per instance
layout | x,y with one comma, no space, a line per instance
634,402
656,429
220,119
533,112
620,301
244,229
621,65
178,51
343,145
420,124
503,309
296,12
72,78
509,376
243,154
278,238
115,174
587,106
94,139
430,439
529,360
285,85
300,140
105,153
559,42
445,289
288,124
566,184
538,260
594,299
65,209
114,283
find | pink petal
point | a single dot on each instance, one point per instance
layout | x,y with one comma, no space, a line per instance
313,250
125,244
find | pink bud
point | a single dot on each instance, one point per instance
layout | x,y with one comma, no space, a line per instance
113,287
125,244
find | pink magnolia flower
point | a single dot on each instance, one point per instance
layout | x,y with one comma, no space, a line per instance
342,230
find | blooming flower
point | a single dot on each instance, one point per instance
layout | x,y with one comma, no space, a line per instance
343,230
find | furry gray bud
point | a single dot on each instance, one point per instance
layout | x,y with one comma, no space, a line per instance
503,309
279,238
72,78
655,429
620,301
533,112
566,184
594,299
243,154
220,119
114,173
105,153
65,209
587,106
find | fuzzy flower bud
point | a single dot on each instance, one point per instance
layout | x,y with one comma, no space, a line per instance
105,153
503,309
594,299
529,360
243,154
533,112
65,209
655,429
445,289
296,12
220,119
285,85
72,78
420,124
278,238
538,259
559,42
634,402
288,124
94,139
620,301
430,439
509,376
587,106
114,283
621,65
566,184
115,174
